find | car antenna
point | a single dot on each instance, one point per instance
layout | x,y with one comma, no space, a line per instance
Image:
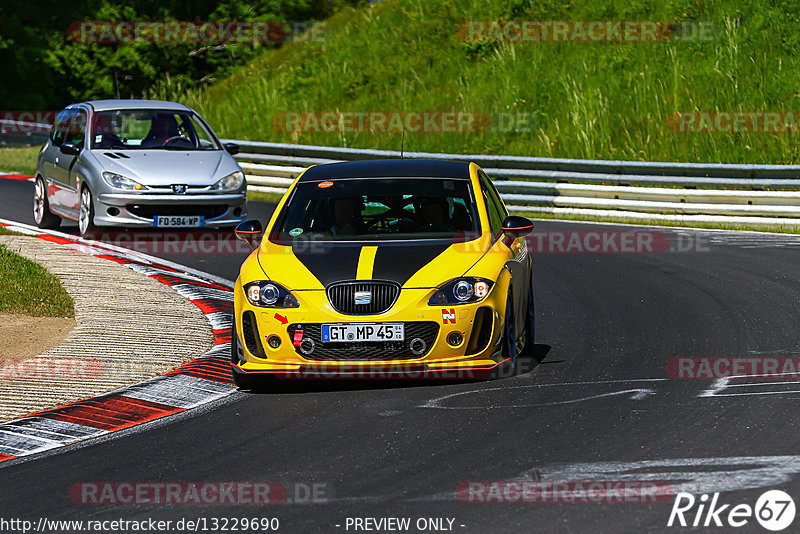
402,142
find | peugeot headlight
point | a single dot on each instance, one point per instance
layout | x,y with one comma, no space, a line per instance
118,181
232,182
465,290
270,295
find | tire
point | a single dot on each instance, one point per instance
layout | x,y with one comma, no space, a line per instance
42,215
86,213
530,321
234,344
509,348
242,380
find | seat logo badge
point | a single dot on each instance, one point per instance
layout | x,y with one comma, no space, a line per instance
449,315
179,189
363,297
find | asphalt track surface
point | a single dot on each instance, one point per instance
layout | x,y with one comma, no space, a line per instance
600,406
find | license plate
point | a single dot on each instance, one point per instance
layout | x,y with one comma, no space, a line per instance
349,333
176,221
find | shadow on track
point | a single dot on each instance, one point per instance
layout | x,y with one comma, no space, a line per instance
526,363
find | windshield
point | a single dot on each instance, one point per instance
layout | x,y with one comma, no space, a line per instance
150,129
379,208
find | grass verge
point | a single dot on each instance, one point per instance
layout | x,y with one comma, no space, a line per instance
19,160
28,288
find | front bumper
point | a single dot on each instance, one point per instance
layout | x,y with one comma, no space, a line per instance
464,371
476,356
138,210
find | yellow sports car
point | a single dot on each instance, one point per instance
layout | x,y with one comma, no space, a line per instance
382,269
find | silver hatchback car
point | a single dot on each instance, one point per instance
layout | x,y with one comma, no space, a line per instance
137,163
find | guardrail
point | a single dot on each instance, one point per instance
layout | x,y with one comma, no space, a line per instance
20,132
767,195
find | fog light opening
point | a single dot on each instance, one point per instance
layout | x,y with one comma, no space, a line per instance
417,346
307,346
113,211
455,339
237,212
274,342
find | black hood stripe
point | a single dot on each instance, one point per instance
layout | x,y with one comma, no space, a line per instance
398,263
331,263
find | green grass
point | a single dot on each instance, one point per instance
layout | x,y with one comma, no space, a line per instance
587,100
19,160
265,197
28,288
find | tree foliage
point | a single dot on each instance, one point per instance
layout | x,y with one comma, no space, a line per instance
43,68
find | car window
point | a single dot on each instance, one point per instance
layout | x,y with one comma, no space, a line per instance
152,130
494,194
204,139
76,131
493,204
379,208
59,131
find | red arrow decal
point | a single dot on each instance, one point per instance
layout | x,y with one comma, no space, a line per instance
281,318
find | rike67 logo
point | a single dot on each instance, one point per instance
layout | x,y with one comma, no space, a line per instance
774,510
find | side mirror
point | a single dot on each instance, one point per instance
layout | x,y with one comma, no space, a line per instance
250,232
70,149
514,227
231,148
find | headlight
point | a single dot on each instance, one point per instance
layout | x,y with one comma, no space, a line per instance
231,182
122,182
270,295
461,291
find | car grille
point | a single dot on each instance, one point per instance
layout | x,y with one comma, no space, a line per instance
342,296
148,211
366,351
